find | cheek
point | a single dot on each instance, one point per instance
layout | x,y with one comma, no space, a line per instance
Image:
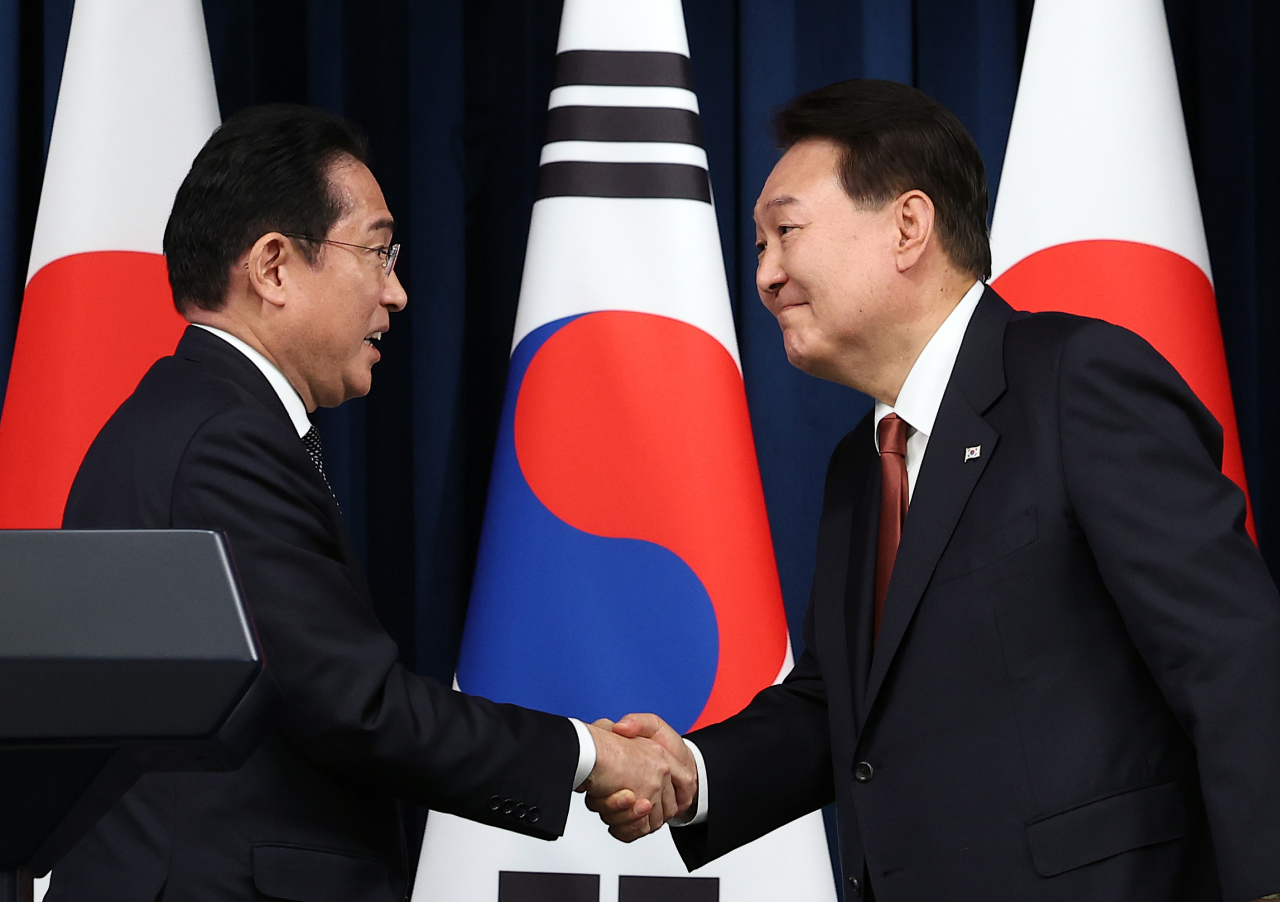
355,324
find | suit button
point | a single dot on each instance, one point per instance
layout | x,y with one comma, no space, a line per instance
855,886
508,806
494,803
532,816
521,811
862,772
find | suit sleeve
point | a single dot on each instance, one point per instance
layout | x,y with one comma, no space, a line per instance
1141,456
770,763
343,698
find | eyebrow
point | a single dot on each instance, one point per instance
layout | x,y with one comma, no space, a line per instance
384,223
782,200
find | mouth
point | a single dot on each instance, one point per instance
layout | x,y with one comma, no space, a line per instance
373,338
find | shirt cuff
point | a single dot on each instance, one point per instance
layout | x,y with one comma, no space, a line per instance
586,753
697,812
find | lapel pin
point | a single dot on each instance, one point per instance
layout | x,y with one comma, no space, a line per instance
972,453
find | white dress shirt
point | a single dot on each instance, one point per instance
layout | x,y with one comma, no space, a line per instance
917,404
922,390
297,411
289,396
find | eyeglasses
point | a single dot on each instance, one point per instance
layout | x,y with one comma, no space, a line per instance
388,253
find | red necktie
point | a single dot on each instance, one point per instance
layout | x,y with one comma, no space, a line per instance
892,433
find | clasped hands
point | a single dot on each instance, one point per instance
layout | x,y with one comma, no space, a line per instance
643,777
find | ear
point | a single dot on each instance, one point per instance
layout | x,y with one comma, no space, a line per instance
267,262
914,219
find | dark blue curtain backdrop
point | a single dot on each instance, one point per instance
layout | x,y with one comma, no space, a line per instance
453,93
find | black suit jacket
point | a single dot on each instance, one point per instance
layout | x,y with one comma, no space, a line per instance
313,815
1076,689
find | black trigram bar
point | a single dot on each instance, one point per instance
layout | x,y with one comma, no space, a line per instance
668,889
612,123
531,886
631,68
572,178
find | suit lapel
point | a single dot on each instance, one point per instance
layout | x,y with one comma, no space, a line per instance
210,350
947,477
207,348
839,636
861,578
841,506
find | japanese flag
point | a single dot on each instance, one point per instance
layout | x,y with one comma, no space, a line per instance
135,105
1097,213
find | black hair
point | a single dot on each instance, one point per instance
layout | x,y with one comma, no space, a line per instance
894,138
266,169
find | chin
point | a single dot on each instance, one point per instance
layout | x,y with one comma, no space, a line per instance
358,391
811,363
356,388
796,352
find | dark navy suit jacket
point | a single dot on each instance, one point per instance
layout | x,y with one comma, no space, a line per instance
1076,689
313,815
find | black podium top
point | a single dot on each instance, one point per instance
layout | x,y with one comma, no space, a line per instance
120,652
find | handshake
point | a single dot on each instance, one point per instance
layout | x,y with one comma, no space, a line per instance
644,776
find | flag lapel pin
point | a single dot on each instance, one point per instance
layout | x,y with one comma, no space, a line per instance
973,452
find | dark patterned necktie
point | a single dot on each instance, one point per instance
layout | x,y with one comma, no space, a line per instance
312,441
892,434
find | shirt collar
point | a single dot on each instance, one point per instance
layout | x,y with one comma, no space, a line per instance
922,391
289,397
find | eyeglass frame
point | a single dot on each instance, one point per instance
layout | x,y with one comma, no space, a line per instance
389,251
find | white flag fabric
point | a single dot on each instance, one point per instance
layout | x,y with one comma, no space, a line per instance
625,506
135,105
1098,212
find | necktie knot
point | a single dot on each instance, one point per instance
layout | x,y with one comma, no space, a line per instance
892,435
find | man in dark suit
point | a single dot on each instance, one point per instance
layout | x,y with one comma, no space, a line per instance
1043,658
280,255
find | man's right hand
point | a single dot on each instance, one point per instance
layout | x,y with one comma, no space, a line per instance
637,785
625,812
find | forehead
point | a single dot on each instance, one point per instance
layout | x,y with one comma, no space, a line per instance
358,191
807,173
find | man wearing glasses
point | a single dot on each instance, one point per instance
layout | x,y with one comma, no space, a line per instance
280,255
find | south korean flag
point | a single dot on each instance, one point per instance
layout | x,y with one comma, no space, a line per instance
625,504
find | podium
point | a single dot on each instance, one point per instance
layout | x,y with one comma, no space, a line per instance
121,653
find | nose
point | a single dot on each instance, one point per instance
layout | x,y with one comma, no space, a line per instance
393,294
770,276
